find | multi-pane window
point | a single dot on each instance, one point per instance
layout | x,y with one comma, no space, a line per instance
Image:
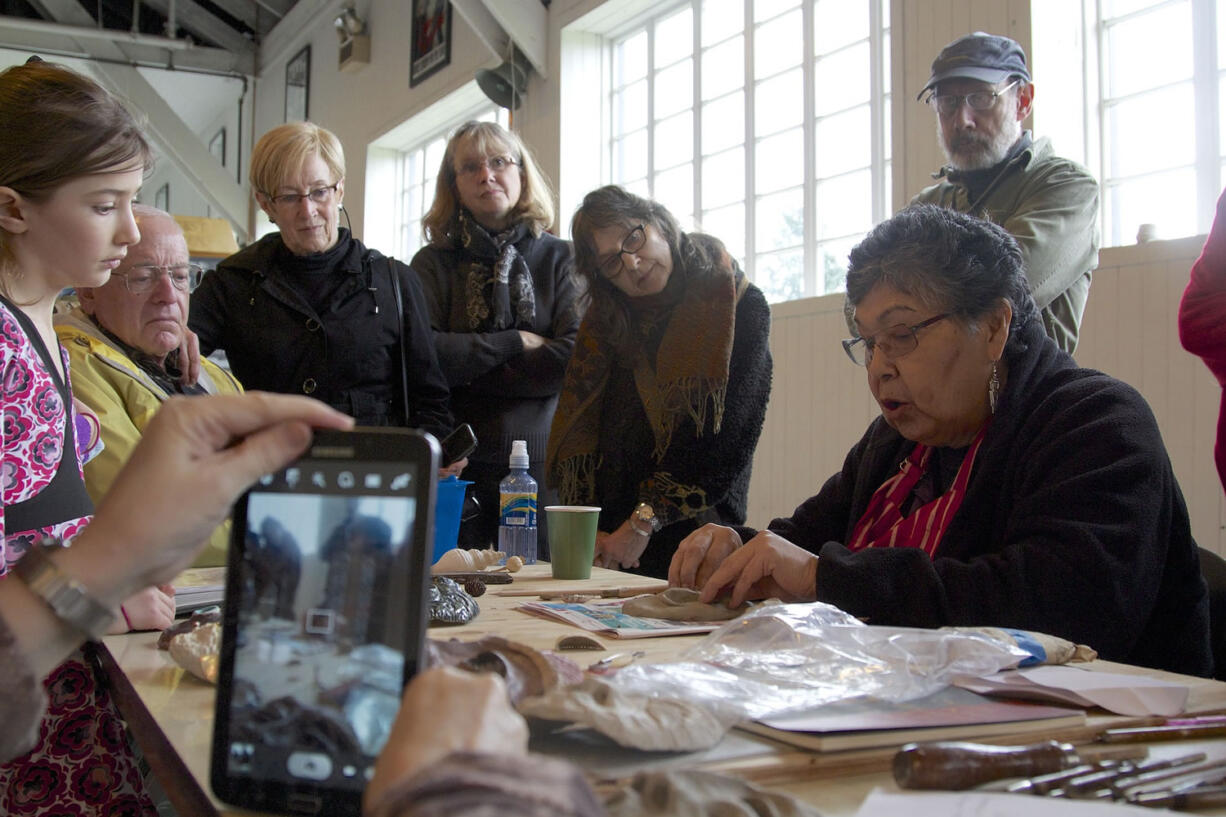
1161,82
777,144
418,172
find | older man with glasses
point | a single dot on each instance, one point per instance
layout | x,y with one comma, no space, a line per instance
123,345
981,92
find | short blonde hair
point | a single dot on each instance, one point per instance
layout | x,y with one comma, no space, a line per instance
286,148
535,205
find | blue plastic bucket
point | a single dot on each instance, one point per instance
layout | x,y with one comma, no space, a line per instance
448,505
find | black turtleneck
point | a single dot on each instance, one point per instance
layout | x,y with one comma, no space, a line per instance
313,273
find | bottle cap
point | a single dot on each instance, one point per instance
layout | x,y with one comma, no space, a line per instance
519,454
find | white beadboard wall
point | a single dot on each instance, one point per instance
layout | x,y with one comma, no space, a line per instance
820,404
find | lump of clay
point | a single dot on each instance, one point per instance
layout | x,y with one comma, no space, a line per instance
208,615
679,604
526,671
197,651
449,604
630,718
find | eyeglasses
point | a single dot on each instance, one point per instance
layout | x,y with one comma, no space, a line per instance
611,267
948,104
320,195
144,277
894,341
496,164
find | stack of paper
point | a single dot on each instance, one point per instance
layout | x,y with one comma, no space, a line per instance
199,587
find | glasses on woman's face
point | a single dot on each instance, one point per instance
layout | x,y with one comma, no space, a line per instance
144,277
496,164
894,341
320,195
611,267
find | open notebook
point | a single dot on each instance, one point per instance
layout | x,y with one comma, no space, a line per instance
950,714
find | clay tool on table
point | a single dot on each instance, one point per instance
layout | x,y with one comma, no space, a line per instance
615,661
957,765
603,592
488,577
1146,734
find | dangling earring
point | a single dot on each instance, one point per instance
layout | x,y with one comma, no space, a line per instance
994,389
272,220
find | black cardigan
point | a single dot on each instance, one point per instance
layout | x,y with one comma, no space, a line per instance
349,356
1072,524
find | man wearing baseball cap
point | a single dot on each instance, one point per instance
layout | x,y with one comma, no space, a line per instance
980,91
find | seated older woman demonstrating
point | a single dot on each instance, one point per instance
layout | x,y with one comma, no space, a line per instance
663,400
1002,485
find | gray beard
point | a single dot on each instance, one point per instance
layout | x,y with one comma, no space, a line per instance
973,151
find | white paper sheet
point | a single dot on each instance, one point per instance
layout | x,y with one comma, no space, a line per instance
882,803
1135,695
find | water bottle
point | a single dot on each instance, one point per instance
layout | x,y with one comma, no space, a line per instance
517,508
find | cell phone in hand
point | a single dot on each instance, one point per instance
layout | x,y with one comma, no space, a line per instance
324,620
458,444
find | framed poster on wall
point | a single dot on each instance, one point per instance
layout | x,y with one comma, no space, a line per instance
431,40
298,86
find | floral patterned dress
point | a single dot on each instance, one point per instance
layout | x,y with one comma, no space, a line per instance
83,763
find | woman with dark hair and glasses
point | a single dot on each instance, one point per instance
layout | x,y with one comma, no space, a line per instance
664,398
311,310
501,300
1001,486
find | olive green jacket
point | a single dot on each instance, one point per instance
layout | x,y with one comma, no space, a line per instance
1050,205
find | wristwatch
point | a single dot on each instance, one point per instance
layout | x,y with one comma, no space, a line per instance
63,594
643,520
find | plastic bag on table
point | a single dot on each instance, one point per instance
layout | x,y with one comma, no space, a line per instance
782,657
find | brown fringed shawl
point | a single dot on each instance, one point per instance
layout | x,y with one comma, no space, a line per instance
688,378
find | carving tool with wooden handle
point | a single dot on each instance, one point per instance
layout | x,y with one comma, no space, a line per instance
955,765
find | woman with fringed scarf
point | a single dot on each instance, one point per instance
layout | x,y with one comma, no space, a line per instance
665,396
502,305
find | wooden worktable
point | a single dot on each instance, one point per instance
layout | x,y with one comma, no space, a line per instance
171,713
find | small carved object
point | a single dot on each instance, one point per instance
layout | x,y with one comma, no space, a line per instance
474,587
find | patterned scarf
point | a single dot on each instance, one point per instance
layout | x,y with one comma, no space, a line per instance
883,524
496,276
688,377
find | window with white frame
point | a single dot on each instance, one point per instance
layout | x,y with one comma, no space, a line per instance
418,170
778,144
1161,80
1153,102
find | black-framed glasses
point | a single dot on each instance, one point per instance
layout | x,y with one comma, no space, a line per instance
497,164
895,341
320,195
948,104
611,267
143,277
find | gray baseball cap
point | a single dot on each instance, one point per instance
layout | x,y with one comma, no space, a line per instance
981,56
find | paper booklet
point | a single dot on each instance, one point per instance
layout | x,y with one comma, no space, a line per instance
950,714
1122,693
198,587
606,617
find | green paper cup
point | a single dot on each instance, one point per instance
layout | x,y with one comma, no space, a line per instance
572,540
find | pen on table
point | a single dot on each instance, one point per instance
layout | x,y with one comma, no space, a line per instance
1145,734
603,592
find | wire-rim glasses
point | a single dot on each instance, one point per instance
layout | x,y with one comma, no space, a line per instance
895,341
948,104
143,277
611,267
320,195
496,164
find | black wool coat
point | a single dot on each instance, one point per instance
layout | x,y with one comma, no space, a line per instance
1072,525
